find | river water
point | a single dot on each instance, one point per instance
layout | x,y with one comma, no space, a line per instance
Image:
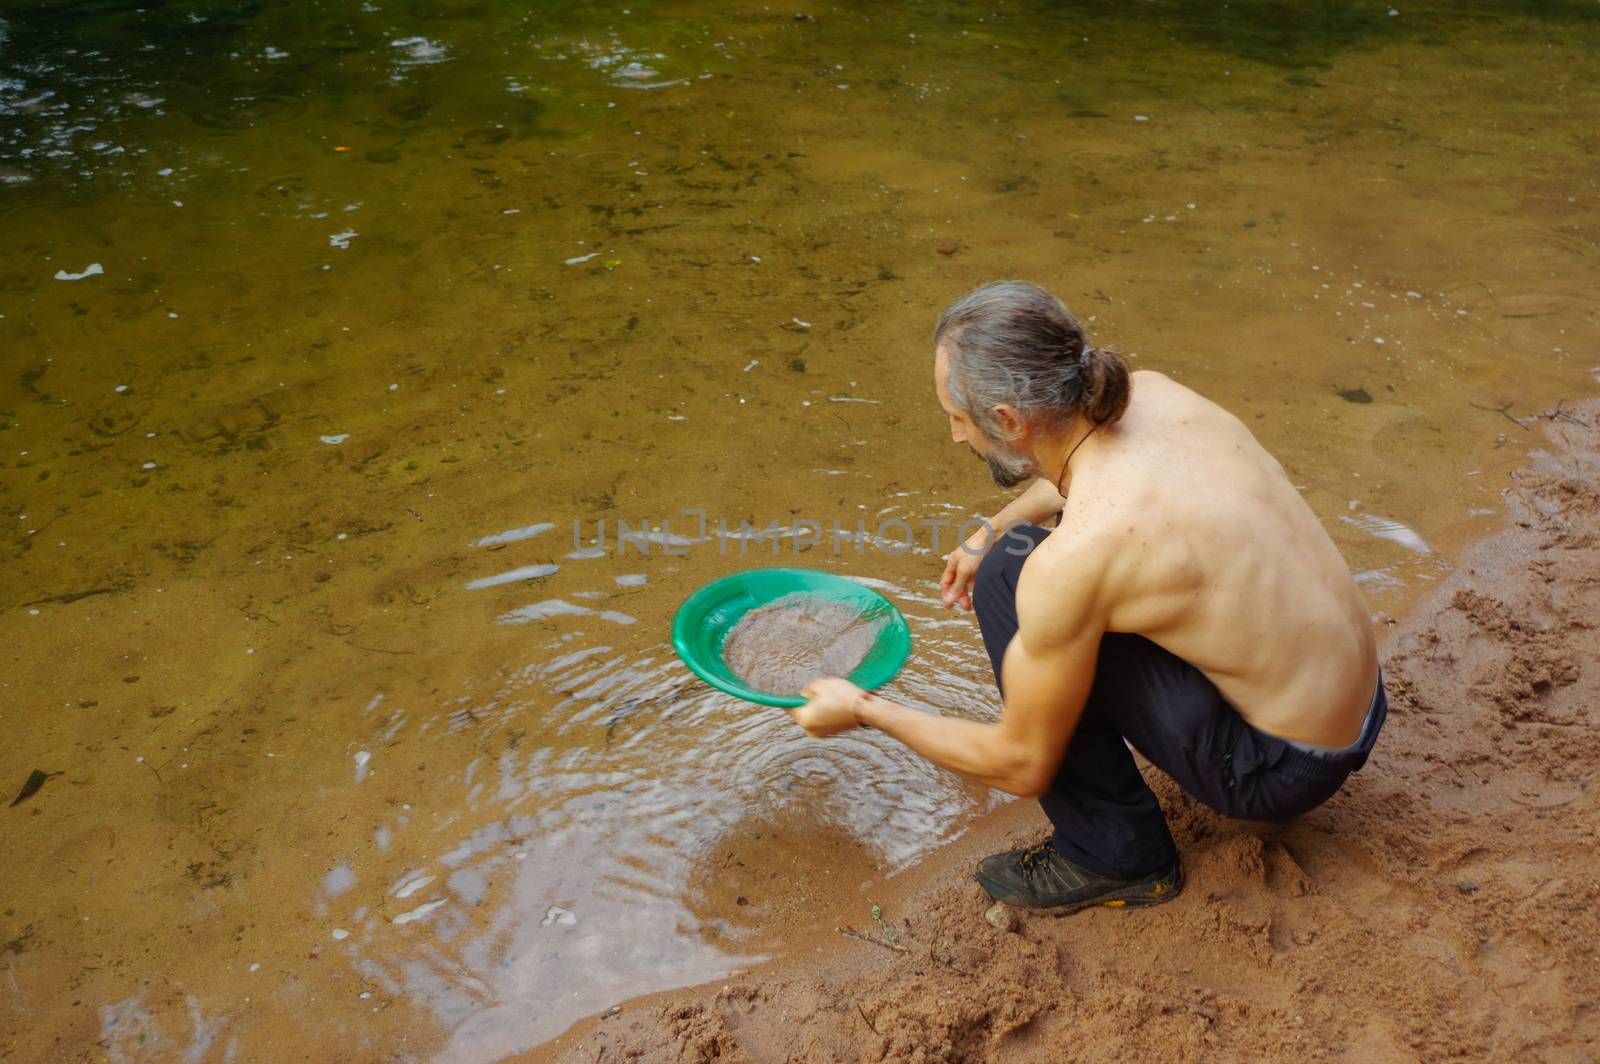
340,342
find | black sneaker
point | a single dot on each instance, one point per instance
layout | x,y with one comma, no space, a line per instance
1039,878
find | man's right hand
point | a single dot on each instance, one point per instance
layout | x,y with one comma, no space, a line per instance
961,568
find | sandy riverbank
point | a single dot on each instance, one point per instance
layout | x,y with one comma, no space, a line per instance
1445,905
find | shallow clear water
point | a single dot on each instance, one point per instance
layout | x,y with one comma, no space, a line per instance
361,743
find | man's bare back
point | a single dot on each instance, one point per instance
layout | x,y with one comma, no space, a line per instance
1203,545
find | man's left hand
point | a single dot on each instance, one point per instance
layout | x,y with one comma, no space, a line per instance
830,708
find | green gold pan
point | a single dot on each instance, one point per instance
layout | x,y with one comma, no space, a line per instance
707,616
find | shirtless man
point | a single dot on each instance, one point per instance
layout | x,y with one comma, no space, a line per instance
1188,602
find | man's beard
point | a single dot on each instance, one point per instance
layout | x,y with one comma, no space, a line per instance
1007,467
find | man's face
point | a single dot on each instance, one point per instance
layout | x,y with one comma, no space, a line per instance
1007,466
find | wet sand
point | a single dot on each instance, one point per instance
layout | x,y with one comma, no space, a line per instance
784,645
1444,905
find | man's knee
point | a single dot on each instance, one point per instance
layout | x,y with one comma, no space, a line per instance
997,574
1001,567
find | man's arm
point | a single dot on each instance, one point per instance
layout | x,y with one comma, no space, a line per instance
1048,671
1037,502
1046,688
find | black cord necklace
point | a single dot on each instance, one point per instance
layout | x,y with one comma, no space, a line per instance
1070,453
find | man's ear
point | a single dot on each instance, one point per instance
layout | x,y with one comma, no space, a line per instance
1011,420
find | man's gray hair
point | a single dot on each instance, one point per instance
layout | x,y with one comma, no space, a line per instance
1013,343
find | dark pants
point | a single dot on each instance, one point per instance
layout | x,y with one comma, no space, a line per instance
1106,819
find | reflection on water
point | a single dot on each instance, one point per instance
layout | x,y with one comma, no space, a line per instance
1393,531
322,329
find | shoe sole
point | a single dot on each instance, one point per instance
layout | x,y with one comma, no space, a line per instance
1139,897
